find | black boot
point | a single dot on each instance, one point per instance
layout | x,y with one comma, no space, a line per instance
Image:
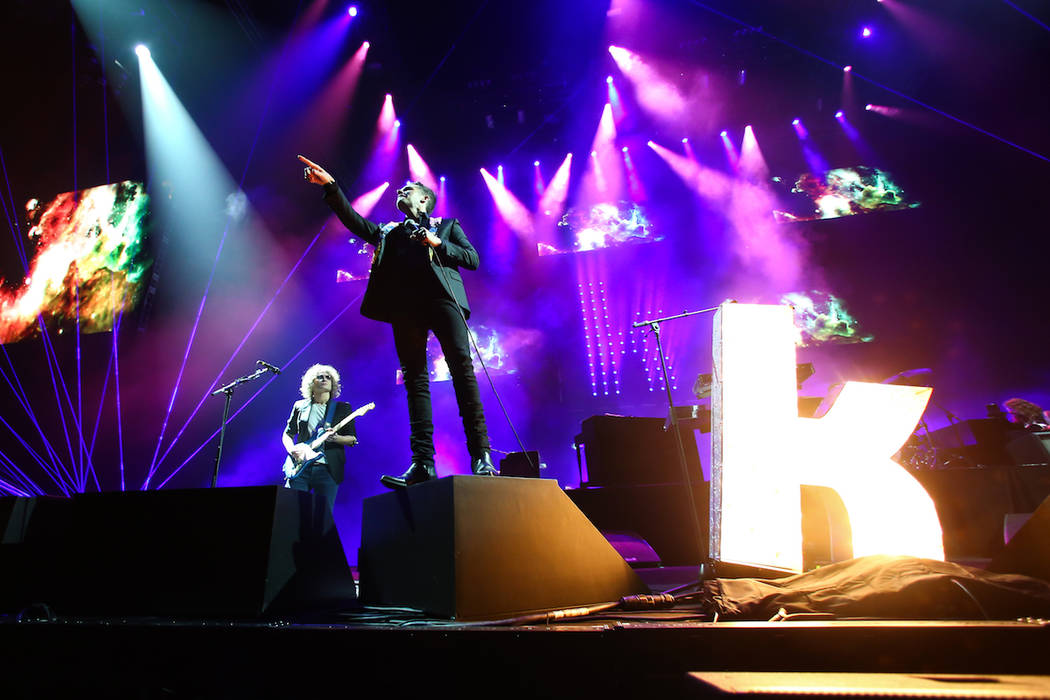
416,474
482,465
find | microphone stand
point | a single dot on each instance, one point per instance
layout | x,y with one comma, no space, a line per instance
654,326
228,390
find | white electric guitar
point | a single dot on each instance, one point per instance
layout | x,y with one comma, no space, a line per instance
293,468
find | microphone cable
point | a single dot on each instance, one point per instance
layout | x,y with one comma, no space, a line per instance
477,352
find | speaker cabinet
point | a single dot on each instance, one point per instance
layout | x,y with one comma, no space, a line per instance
622,451
32,530
231,552
523,464
473,548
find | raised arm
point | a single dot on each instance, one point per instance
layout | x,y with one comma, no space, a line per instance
333,195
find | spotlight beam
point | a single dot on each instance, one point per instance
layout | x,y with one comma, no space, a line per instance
149,73
222,371
26,487
116,389
286,363
1029,15
23,400
419,168
182,367
510,208
49,470
53,367
871,81
12,217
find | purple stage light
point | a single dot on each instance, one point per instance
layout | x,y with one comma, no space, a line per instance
536,163
752,163
510,209
554,195
847,69
839,114
796,122
723,133
685,140
614,100
441,179
418,167
352,11
366,202
608,79
868,107
624,149
866,32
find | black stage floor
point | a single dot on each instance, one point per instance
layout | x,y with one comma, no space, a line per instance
623,657
93,573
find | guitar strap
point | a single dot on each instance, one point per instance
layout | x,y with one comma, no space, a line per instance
329,414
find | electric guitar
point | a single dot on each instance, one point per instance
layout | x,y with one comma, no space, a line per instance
292,468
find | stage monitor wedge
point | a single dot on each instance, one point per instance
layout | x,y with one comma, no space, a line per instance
479,548
1028,551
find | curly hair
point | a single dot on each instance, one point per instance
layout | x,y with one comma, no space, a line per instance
1027,411
311,374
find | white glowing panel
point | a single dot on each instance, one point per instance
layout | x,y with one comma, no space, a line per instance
762,451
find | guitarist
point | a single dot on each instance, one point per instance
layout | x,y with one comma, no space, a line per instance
310,416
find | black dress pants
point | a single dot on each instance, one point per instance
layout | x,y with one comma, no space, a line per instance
441,315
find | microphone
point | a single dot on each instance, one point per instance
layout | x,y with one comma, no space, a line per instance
415,231
267,365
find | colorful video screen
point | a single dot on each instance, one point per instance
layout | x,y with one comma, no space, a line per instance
87,262
821,318
499,349
604,225
840,192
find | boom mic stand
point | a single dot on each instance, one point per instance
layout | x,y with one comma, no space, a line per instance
228,391
654,326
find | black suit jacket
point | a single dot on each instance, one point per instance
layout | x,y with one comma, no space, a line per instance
380,299
334,455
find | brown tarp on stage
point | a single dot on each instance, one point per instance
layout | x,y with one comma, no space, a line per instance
884,587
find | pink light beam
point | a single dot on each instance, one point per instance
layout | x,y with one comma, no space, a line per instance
510,209
365,203
419,169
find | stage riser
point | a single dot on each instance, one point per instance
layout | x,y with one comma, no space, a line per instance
472,548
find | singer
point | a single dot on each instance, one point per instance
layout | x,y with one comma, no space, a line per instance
415,286
310,416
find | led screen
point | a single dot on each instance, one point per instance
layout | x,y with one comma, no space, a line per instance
822,318
499,349
604,225
86,261
841,192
